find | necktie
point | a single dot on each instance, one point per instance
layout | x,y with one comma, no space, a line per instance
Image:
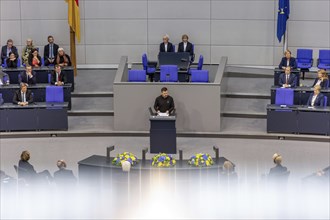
287,79
58,77
23,97
51,51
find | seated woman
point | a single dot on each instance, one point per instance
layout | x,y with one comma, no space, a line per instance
34,58
11,61
316,98
288,61
278,169
62,59
322,79
28,173
27,51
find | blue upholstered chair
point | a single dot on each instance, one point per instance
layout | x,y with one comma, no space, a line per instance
324,59
325,101
150,70
137,75
284,96
199,76
304,58
54,94
1,99
42,61
168,73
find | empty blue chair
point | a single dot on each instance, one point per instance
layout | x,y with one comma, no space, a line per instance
324,59
199,76
284,96
137,75
168,73
304,58
150,70
325,101
199,65
54,94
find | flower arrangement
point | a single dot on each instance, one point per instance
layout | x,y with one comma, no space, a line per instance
201,160
126,156
163,160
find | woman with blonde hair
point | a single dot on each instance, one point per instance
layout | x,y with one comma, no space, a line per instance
62,58
278,169
27,51
322,79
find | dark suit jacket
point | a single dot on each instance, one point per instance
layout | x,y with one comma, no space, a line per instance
292,80
26,170
278,169
169,47
31,58
46,51
323,83
292,63
11,64
64,177
189,48
18,97
319,101
62,60
4,52
62,78
22,78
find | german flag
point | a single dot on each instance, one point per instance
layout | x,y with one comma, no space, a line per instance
74,17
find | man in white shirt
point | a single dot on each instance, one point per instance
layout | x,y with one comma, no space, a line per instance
316,98
58,77
23,96
287,80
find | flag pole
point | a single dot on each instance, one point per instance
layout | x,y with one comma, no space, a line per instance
285,39
73,51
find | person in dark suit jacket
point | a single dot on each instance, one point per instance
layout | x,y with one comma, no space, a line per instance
58,77
29,76
5,50
50,51
287,79
322,79
288,61
316,98
23,96
12,61
186,46
62,58
64,177
278,169
166,46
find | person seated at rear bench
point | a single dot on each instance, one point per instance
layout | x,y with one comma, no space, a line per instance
164,103
64,177
58,77
166,46
23,96
62,59
35,58
316,98
7,49
28,77
50,51
26,51
278,169
322,79
11,61
287,80
288,61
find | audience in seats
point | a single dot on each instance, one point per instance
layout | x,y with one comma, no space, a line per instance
26,51
34,58
288,61
23,96
64,177
29,76
50,51
62,59
58,77
27,171
322,79
166,46
11,61
316,98
7,49
287,79
186,46
278,169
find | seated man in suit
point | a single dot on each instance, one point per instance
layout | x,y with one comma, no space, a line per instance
288,61
186,46
287,80
166,46
50,51
23,96
278,169
5,50
58,77
28,77
322,79
164,103
316,98
64,177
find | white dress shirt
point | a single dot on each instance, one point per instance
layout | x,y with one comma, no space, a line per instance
313,99
165,45
184,46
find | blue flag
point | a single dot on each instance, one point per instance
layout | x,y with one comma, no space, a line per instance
282,17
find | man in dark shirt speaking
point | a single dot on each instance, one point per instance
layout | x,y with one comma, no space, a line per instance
164,103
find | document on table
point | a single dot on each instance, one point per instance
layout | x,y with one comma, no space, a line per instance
162,114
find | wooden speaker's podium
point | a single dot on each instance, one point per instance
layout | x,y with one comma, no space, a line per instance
162,134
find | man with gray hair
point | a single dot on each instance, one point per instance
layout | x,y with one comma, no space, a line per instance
166,46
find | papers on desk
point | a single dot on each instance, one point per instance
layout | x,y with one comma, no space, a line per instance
310,107
162,114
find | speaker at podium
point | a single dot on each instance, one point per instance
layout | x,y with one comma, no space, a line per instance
162,133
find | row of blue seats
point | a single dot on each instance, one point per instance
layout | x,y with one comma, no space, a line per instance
286,97
305,59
